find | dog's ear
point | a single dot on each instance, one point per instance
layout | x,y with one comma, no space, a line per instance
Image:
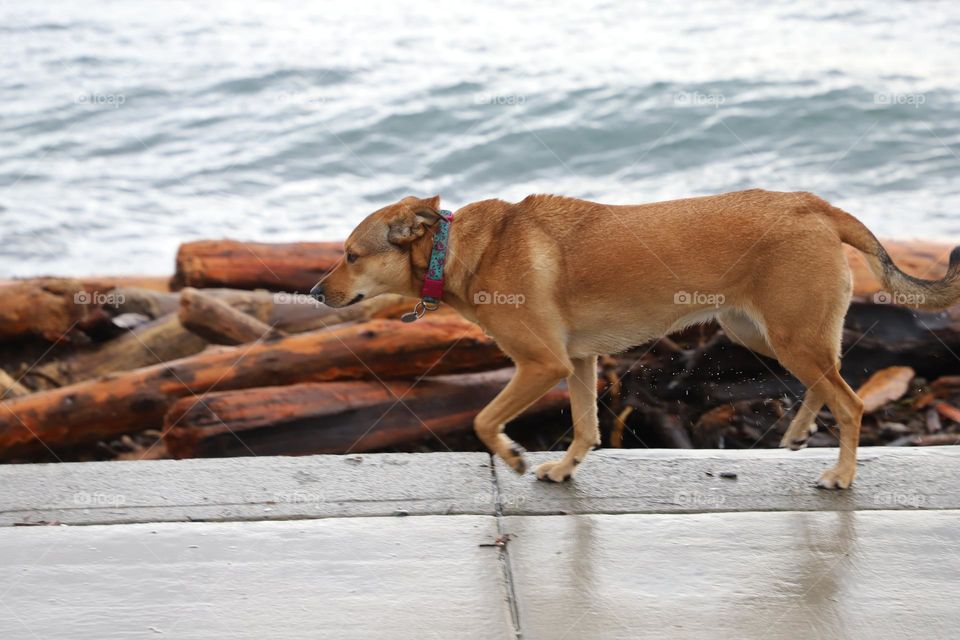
413,218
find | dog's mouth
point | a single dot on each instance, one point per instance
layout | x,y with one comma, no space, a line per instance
356,298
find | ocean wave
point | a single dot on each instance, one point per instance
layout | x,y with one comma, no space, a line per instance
136,132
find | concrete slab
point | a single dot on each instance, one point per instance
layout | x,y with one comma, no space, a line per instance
771,556
418,578
273,488
681,481
851,575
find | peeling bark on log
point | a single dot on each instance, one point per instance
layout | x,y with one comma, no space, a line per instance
217,322
136,400
295,266
335,417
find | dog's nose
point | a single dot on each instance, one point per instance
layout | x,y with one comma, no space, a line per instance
317,292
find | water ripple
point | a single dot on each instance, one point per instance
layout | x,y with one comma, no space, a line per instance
126,131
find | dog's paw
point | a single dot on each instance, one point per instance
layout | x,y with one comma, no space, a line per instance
796,439
513,456
836,478
555,471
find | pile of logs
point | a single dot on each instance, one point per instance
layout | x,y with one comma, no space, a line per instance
230,357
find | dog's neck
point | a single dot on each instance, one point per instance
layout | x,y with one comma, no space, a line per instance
466,246
420,255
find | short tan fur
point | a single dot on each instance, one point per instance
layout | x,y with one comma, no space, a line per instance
558,281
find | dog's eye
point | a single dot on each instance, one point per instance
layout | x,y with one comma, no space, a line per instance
351,257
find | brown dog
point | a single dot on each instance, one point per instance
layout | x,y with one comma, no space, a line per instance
558,281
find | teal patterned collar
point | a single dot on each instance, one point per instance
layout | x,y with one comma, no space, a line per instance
431,293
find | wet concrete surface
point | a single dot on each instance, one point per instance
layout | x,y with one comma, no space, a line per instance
263,488
654,544
870,575
417,577
664,480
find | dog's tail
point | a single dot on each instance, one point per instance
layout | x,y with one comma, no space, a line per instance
898,287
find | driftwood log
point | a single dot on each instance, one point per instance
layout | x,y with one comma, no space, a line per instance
55,309
685,391
148,344
166,338
163,339
290,312
61,309
218,323
295,266
137,400
335,417
105,283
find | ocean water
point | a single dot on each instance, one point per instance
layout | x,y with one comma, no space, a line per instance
129,127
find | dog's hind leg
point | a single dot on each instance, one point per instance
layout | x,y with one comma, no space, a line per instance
582,383
821,375
805,332
532,380
740,328
803,424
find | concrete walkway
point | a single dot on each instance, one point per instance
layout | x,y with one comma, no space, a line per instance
653,544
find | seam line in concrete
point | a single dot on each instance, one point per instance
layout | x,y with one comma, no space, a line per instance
199,505
504,555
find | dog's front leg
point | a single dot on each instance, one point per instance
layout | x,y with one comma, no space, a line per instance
582,383
532,380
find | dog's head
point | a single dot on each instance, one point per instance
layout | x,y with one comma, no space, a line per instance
378,255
